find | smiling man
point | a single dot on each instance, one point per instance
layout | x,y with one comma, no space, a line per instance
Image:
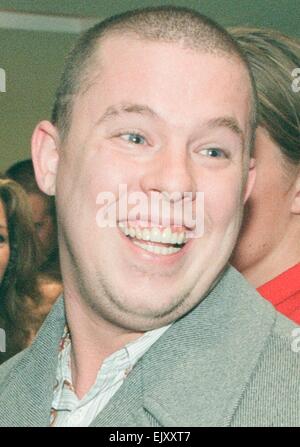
154,327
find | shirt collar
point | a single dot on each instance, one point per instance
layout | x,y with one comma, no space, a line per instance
122,360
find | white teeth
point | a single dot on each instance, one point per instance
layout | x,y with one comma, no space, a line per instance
146,235
180,238
166,235
132,232
138,233
164,250
156,249
154,234
174,238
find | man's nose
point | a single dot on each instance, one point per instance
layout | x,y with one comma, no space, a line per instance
170,172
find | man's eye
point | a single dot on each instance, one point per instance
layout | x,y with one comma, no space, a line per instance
134,138
213,153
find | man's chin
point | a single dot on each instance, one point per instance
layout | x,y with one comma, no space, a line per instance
146,312
144,323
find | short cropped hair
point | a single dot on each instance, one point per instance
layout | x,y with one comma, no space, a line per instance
273,57
171,24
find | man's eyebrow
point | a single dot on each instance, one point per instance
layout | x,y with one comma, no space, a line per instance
123,108
229,122
141,109
3,226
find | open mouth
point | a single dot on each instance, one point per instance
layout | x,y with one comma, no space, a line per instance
155,240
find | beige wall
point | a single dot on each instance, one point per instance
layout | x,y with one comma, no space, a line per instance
281,14
32,62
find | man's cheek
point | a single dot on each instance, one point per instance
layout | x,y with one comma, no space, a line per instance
221,206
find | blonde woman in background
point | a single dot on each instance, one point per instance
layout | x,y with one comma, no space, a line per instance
22,306
268,251
44,217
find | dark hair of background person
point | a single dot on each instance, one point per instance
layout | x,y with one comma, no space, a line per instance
168,24
273,57
22,172
19,294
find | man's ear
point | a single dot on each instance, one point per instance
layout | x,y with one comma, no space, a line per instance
295,206
251,179
45,155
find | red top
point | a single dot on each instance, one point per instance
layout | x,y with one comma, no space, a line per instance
284,292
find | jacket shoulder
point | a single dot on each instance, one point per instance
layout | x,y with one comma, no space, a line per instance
272,396
10,366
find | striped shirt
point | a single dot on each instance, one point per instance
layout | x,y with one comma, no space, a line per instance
69,411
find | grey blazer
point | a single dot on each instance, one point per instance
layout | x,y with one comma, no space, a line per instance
228,362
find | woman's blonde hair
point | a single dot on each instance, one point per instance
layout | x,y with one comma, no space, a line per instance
19,296
273,57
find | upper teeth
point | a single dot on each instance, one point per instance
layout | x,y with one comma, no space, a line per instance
166,236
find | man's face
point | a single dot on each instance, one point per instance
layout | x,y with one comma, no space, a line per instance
157,118
4,242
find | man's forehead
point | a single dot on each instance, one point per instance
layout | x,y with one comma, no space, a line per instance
128,42
114,50
109,72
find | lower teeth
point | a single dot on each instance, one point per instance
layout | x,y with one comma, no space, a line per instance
156,249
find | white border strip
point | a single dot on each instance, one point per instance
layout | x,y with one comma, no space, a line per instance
47,23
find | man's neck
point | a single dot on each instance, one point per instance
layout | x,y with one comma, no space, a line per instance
93,340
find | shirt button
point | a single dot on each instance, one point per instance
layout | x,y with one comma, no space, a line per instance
127,371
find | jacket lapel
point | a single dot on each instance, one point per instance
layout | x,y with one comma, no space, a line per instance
122,409
196,373
29,387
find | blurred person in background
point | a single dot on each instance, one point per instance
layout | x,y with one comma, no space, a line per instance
22,306
44,217
268,251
